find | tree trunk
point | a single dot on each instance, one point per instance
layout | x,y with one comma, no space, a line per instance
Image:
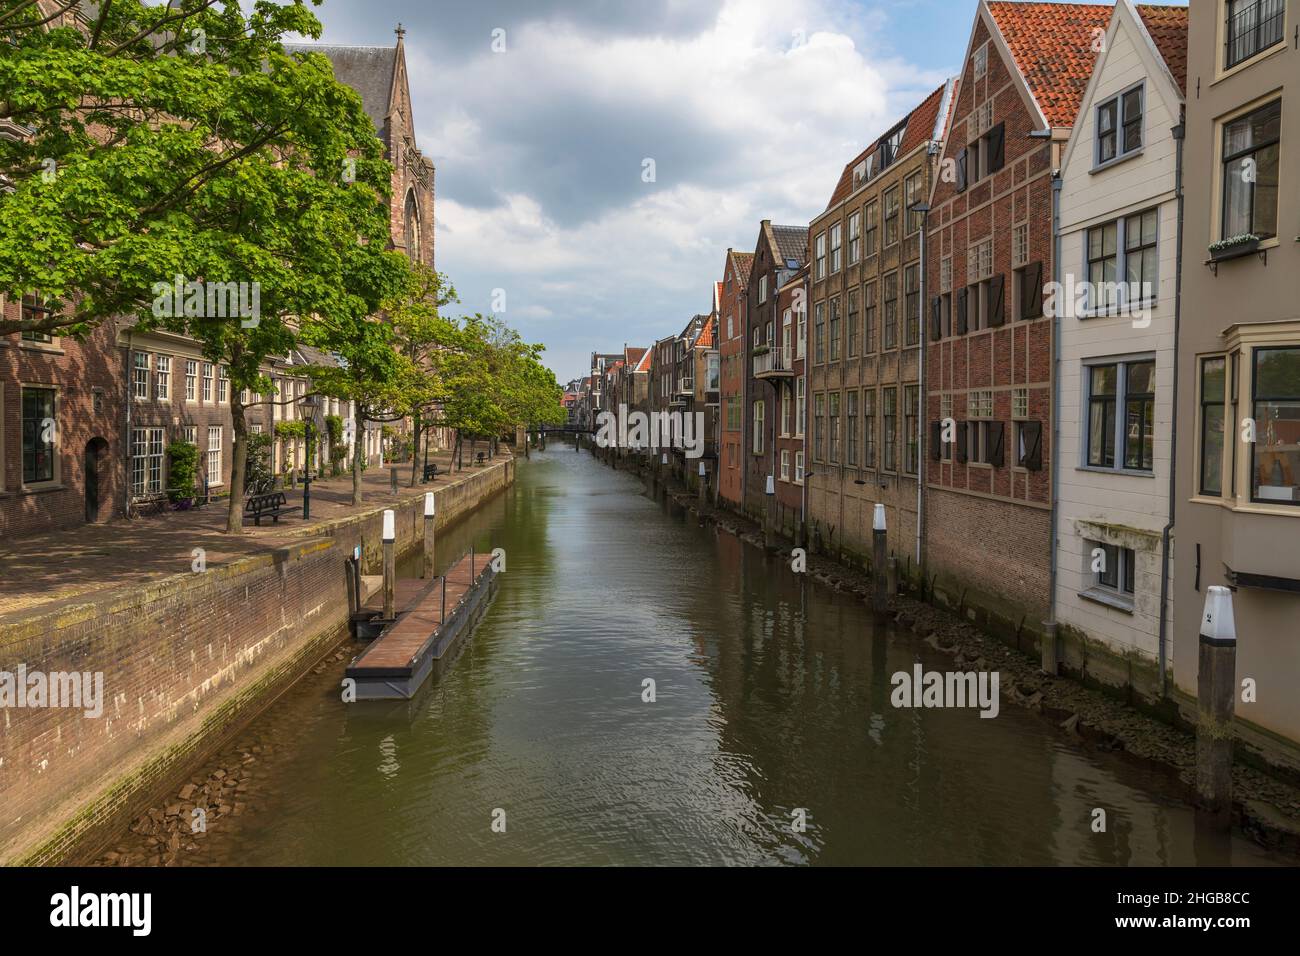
358,449
415,450
238,465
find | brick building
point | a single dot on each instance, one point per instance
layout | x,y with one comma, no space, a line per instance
989,255
779,253
785,360
866,327
732,302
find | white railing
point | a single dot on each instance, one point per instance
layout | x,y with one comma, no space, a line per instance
776,359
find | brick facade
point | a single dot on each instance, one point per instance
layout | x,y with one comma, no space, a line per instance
732,303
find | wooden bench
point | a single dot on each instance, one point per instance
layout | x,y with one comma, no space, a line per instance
430,473
480,458
273,504
151,504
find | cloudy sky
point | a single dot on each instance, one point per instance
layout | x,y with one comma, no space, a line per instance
749,109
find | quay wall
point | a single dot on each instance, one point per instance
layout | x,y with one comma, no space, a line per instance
187,661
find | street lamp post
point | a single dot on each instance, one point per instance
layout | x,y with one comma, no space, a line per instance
309,405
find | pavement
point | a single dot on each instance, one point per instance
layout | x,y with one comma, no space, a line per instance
39,569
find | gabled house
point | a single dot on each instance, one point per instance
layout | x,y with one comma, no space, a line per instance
988,503
730,334
1118,226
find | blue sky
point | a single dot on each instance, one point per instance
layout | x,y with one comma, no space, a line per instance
749,109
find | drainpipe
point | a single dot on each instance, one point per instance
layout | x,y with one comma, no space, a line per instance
126,437
1179,132
1049,638
922,399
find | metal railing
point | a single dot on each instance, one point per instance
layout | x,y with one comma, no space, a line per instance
776,359
1254,27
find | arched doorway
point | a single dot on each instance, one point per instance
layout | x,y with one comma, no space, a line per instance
95,478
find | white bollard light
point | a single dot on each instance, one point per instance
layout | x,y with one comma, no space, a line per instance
878,518
390,525
1217,623
428,504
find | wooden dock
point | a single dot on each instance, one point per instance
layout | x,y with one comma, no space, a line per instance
432,616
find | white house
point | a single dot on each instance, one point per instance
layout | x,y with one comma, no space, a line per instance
1118,257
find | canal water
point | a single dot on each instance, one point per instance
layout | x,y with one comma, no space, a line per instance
771,704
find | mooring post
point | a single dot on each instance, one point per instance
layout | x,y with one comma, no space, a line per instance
704,484
769,529
429,524
891,567
392,480
879,561
663,473
390,562
1216,690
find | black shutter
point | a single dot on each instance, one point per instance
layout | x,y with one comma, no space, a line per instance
997,431
936,441
936,321
1032,434
961,441
1032,293
997,299
962,296
997,147
961,171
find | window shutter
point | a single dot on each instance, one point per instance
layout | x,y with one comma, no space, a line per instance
962,297
997,296
1032,306
936,441
936,322
997,143
1033,437
961,171
997,432
961,442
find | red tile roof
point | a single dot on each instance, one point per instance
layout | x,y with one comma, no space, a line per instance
744,261
1052,44
705,338
920,126
1168,28
633,354
644,364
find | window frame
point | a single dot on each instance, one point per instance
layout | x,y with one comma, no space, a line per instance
1119,131
1225,158
1119,402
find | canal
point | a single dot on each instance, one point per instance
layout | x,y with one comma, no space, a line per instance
771,697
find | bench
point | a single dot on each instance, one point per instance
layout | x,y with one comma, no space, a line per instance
273,504
430,473
151,504
480,458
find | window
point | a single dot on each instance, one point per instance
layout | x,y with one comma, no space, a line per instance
1252,27
802,339
1127,439
891,310
39,435
798,467
855,237
912,429
786,405
762,288
1020,403
871,213
891,216
800,403
146,461
942,450
869,319
869,428
912,304
833,403
1140,255
851,427
912,190
819,333
1275,453
1020,244
191,380
820,255
853,323
980,61
980,440
836,237
207,385
711,372
1113,568
1103,266
214,452
189,433
33,307
835,330
1119,126
1250,173
140,376
785,464
1213,372
889,414
163,373
819,427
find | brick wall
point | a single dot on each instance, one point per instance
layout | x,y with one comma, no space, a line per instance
187,661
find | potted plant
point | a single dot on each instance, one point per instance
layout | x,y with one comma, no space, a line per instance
1234,247
183,469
